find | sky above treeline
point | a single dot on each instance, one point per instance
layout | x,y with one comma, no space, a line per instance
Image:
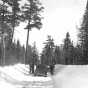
60,16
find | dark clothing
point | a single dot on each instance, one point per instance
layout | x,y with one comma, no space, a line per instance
52,69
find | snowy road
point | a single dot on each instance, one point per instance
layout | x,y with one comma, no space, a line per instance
71,76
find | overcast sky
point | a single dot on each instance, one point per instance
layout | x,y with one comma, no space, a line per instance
60,16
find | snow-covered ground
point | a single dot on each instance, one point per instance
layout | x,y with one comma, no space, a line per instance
64,77
14,77
75,76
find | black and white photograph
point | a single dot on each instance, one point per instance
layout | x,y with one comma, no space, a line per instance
43,43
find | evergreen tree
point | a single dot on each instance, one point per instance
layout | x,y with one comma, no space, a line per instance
78,54
72,54
68,49
83,36
32,10
57,55
47,56
15,15
22,53
3,12
18,50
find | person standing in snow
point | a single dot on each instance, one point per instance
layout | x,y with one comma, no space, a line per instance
52,69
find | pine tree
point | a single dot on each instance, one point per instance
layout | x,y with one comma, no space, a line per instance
32,14
3,12
47,56
68,49
15,15
78,54
57,55
83,36
18,50
67,41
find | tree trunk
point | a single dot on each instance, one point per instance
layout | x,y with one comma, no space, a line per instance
3,50
26,46
12,34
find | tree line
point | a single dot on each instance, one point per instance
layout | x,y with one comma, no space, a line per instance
15,54
65,53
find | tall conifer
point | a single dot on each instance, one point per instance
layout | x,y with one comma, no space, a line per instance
83,36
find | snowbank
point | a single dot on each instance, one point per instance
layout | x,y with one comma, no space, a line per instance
14,77
18,72
71,76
